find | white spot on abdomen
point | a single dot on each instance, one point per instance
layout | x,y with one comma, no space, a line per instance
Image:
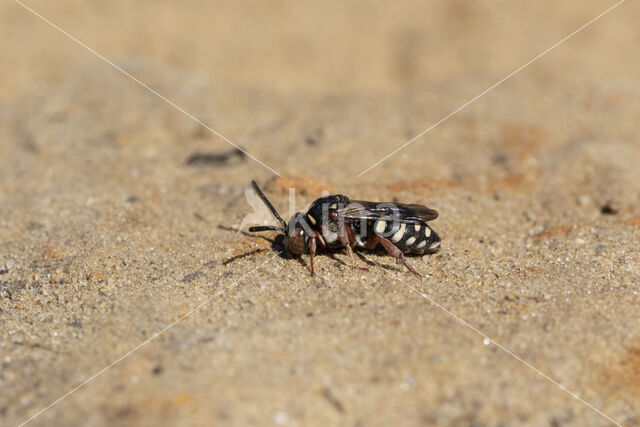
427,232
396,237
417,227
381,226
410,241
421,244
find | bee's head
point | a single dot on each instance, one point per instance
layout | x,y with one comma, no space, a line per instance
296,238
296,233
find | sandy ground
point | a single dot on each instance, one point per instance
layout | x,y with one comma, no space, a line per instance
108,234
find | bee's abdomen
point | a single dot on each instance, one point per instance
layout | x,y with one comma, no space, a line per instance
414,238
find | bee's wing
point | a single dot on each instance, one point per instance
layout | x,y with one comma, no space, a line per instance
408,213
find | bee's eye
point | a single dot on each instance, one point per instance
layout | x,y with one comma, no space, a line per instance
296,241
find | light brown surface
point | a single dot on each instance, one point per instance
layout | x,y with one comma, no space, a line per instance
107,236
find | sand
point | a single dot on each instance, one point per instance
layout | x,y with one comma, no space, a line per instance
118,245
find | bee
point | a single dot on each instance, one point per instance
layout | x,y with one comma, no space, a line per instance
338,222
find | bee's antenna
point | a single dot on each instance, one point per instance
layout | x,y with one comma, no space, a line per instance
271,208
265,228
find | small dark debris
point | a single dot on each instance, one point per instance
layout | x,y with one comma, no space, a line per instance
208,338
98,277
210,265
240,256
309,314
133,199
125,412
31,226
75,324
327,394
4,271
192,276
500,159
511,297
10,288
607,209
320,283
314,137
29,143
228,273
217,159
157,369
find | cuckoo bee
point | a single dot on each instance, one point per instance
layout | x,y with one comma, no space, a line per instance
336,221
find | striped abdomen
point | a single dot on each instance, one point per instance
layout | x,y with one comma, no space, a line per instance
410,238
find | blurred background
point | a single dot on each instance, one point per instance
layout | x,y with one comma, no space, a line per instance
328,48
117,211
265,73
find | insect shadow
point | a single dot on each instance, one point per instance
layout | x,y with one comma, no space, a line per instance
379,251
277,244
237,230
331,254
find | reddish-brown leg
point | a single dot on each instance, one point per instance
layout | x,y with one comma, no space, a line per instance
346,238
320,238
391,249
312,247
312,251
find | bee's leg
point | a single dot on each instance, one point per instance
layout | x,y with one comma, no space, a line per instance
318,235
392,250
312,251
313,246
346,238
